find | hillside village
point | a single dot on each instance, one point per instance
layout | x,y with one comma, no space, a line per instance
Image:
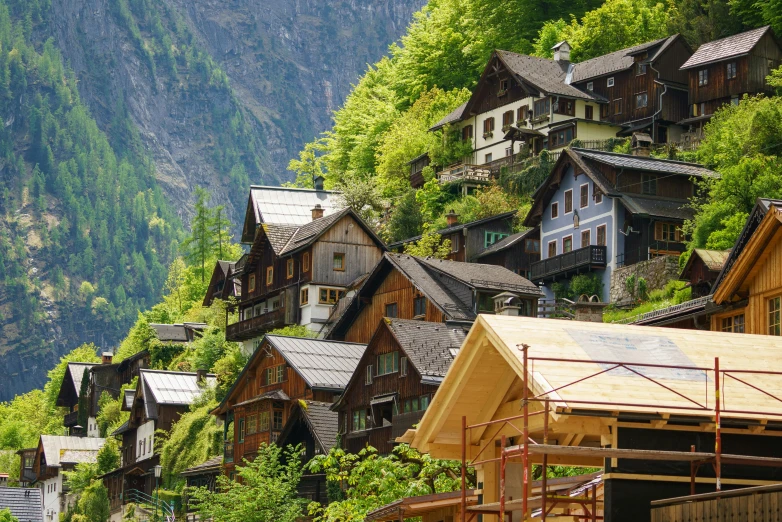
575,359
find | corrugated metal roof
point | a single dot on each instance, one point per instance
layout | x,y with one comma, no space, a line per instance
25,504
173,387
54,447
290,206
725,48
646,163
321,363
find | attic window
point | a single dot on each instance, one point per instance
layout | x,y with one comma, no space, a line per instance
590,86
641,69
305,262
703,77
504,84
610,82
289,269
339,262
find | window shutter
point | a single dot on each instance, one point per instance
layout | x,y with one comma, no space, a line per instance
369,375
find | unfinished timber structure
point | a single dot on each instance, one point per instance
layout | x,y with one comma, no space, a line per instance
662,413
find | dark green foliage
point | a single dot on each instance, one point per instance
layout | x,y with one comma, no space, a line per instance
406,219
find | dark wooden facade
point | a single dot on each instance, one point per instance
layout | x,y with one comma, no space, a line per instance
519,256
388,420
417,166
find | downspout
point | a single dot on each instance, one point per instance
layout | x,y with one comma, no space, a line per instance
660,109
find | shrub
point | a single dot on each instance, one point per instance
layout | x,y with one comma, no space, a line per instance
586,284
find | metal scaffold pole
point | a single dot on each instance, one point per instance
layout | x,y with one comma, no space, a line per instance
525,435
718,429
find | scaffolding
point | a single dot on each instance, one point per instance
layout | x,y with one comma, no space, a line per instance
546,502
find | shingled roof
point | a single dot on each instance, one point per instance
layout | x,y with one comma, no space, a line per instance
612,62
453,116
71,383
430,347
507,242
211,466
460,226
321,422
724,48
25,504
545,74
484,277
644,163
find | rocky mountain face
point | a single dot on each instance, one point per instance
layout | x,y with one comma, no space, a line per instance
213,93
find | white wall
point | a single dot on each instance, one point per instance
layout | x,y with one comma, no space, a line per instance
51,490
145,441
92,427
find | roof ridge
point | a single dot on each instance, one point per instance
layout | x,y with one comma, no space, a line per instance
643,158
300,189
313,339
194,374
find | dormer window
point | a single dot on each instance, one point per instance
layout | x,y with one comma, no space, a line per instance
610,82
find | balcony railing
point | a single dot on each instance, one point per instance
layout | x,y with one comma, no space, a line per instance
464,172
255,326
588,257
71,419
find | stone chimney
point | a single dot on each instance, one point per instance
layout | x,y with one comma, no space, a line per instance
200,375
641,144
317,212
507,303
452,217
106,357
561,52
318,182
589,309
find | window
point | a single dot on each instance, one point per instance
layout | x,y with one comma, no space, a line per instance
403,366
588,112
555,210
241,430
252,424
731,70
424,402
269,275
387,363
590,86
561,138
289,269
773,316
277,420
359,420
305,296
703,77
568,201
305,262
263,421
640,69
521,113
618,106
649,184
542,107
339,262
604,111
504,85
598,196
584,195
532,246
455,243
733,324
368,376
610,82
281,373
391,310
488,127
507,119
487,158
492,237
251,283
641,100
275,374
467,133
601,235
419,306
552,248
734,100
585,238
566,107
567,244
330,295
667,232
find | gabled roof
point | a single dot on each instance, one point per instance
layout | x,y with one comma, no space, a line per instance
615,61
69,450
161,387
322,423
430,347
644,163
222,272
71,382
724,48
324,365
484,277
713,259
454,115
544,74
507,242
25,504
176,332
289,206
460,226
211,466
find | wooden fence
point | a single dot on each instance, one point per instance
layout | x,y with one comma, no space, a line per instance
756,504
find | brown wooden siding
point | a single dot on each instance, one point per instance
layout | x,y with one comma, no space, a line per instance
346,237
514,259
396,288
487,91
674,187
358,395
759,504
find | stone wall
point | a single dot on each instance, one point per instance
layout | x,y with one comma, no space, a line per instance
657,272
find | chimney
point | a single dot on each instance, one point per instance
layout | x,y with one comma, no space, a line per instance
589,309
317,212
200,375
452,217
507,303
318,182
561,51
106,357
641,144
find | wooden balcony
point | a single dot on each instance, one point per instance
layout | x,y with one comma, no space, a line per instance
71,419
255,326
563,265
465,172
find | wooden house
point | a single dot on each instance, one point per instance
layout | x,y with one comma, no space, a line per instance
637,403
516,252
441,291
313,425
702,269
417,166
222,284
394,382
54,455
202,475
295,275
630,208
180,333
75,383
156,404
281,372
723,71
24,504
468,240
437,507
749,288
26,466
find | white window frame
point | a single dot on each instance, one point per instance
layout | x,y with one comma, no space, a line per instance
548,248
563,243
564,201
610,82
552,210
590,86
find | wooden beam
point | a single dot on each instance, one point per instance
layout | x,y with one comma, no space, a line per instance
751,430
489,408
578,439
619,453
699,480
